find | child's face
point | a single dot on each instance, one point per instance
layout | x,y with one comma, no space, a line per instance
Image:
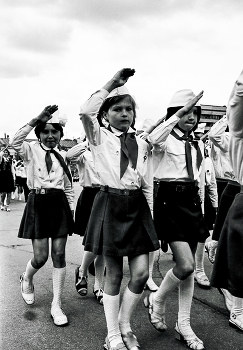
188,121
120,115
50,137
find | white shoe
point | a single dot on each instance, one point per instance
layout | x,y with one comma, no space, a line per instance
236,321
7,208
19,197
228,300
2,207
12,196
202,280
29,298
59,317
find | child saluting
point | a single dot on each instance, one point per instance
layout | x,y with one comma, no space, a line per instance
121,222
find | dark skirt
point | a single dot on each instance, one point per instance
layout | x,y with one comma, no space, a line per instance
46,215
227,198
221,184
209,210
19,181
120,225
178,213
83,209
228,266
6,181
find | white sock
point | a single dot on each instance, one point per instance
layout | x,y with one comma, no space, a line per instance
99,272
128,305
186,290
237,307
199,259
169,283
58,279
29,273
111,308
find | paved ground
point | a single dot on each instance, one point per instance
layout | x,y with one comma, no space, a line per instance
31,328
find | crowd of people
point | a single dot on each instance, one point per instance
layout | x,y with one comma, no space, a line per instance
170,185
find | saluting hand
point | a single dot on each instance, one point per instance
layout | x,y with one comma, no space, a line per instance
119,79
190,104
47,112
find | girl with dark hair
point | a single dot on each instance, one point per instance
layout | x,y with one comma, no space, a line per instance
178,171
48,212
120,223
6,179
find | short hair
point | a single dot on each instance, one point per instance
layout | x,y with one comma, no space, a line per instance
109,102
172,110
41,126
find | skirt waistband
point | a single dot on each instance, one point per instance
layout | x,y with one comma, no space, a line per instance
45,190
122,192
177,187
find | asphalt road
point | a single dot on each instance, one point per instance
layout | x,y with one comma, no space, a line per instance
31,327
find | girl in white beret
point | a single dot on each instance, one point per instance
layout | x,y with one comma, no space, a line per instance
178,217
48,212
121,222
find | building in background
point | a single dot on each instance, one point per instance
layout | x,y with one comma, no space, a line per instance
211,114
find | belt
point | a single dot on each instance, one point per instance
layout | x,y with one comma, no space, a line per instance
123,192
92,186
44,190
180,187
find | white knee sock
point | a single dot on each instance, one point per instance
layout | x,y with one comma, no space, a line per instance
186,290
58,279
237,307
128,305
111,308
199,259
99,272
169,283
29,273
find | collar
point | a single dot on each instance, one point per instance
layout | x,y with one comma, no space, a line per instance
181,133
47,148
118,133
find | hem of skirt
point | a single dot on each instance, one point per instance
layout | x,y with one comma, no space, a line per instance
234,291
34,237
125,252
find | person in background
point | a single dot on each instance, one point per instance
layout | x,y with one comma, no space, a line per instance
121,222
89,180
228,266
7,178
219,137
48,212
19,183
178,171
210,210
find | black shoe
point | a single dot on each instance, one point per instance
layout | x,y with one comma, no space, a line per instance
81,283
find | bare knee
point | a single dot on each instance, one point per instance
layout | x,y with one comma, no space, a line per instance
39,260
58,258
182,271
140,277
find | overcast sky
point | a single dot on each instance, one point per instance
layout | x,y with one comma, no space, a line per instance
61,51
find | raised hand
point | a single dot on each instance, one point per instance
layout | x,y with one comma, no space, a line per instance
119,79
190,104
46,114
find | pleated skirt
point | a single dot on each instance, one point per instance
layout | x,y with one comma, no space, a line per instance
46,216
120,225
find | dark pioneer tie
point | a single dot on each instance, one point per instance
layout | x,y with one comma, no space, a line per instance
189,139
129,150
61,160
